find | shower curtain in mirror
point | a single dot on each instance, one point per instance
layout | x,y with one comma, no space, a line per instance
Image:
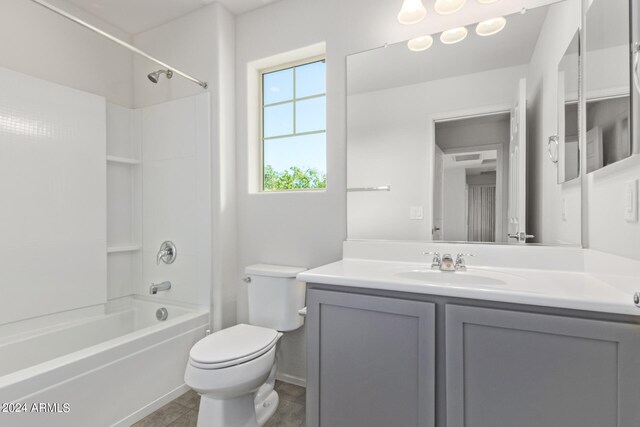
482,213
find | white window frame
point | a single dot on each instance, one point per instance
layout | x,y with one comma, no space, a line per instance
273,69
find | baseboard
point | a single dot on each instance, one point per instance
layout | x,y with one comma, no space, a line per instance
286,378
152,407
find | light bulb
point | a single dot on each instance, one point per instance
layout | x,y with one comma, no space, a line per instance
446,7
454,35
491,26
420,43
412,12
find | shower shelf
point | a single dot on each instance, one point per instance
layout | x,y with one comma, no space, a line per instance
118,249
123,160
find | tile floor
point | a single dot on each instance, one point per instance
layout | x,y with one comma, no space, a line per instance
183,411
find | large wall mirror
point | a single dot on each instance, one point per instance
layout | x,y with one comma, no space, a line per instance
608,84
449,134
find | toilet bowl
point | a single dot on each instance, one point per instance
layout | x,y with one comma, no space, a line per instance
234,369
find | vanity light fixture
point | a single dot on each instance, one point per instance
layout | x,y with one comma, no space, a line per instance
412,12
420,43
447,7
454,35
491,26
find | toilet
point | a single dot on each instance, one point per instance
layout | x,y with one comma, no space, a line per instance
234,369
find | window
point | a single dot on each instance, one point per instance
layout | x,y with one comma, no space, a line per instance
293,133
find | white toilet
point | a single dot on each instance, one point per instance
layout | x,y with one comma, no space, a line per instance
234,369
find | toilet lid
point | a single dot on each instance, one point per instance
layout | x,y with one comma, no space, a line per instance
233,344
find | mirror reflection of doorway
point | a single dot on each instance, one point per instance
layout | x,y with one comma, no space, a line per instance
470,179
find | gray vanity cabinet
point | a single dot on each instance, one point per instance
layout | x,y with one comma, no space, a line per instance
371,361
507,368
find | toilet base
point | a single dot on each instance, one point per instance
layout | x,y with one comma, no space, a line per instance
251,410
236,412
267,408
241,411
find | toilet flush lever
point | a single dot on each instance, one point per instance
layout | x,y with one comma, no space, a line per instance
636,299
303,312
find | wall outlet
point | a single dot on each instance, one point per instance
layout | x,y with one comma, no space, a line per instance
631,201
416,213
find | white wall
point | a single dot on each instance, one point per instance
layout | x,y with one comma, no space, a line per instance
176,198
53,192
607,74
553,210
391,142
608,230
202,43
40,43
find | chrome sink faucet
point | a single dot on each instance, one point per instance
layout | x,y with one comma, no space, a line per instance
436,262
446,263
164,286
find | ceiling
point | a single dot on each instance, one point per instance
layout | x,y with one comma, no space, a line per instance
136,16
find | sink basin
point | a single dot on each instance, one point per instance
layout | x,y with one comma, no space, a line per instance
452,277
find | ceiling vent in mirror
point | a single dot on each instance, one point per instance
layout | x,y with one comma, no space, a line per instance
467,157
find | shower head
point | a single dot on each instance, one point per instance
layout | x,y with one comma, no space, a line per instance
155,76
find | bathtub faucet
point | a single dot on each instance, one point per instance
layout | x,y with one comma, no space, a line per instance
164,286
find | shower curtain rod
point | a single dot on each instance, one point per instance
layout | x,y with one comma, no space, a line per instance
118,41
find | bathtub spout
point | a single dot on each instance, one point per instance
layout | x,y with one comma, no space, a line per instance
164,286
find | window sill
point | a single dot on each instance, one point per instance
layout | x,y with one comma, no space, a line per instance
301,191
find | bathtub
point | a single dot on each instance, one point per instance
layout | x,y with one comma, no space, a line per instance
100,366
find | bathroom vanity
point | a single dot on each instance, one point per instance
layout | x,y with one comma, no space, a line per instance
449,144
399,344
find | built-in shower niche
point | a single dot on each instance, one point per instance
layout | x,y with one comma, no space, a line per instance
158,189
124,201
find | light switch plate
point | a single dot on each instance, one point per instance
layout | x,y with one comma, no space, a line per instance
631,201
416,213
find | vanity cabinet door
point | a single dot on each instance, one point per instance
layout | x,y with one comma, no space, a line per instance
371,361
507,369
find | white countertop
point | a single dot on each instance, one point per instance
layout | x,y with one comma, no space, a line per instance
548,288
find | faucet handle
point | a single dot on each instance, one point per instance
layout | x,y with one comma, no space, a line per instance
437,260
167,253
460,264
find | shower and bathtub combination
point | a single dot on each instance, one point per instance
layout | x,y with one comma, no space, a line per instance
96,321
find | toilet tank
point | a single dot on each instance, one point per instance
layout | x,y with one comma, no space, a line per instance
275,296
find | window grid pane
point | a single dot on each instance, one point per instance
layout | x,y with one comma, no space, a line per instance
300,175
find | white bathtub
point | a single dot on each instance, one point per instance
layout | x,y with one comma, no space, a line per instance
100,366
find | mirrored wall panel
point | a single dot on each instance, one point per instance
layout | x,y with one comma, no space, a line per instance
449,134
564,148
608,84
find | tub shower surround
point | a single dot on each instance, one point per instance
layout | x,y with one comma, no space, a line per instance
52,141
84,317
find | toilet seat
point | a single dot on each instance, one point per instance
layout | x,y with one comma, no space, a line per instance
232,346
